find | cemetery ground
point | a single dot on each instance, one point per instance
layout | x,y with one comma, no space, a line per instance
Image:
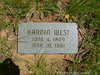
86,13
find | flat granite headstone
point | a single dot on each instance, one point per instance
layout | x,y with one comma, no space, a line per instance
47,38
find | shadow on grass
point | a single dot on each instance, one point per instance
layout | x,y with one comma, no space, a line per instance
8,67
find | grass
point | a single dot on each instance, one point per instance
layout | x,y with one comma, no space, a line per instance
3,23
83,12
4,50
87,16
40,65
20,7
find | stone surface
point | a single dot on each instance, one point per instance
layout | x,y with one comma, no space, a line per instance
47,38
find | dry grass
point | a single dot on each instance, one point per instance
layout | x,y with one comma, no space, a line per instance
13,12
